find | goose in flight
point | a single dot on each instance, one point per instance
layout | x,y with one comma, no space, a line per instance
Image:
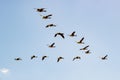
50,25
72,34
61,34
77,57
85,48
52,45
81,41
18,59
40,9
87,52
32,57
59,58
104,58
44,57
47,16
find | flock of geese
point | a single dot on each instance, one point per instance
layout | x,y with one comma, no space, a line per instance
73,34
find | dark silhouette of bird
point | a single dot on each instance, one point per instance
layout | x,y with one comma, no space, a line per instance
72,34
81,41
52,45
59,58
47,16
87,52
32,57
40,9
85,48
44,57
77,57
105,57
50,25
18,59
61,34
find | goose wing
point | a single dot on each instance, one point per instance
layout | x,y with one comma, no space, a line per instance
62,35
81,40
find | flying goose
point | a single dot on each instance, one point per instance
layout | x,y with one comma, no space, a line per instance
77,57
50,25
85,48
40,9
47,16
44,57
61,34
81,41
32,57
72,34
18,59
104,58
52,45
59,58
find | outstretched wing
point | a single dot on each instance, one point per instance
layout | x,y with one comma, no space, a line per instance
52,44
32,57
81,40
55,35
74,58
105,56
73,33
49,15
62,35
58,59
86,47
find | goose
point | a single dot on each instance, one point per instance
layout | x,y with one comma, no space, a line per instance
61,34
77,57
50,25
72,34
52,45
18,59
85,48
32,57
47,16
81,41
44,57
104,58
40,9
59,58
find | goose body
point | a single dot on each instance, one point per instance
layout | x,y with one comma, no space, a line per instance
18,59
87,52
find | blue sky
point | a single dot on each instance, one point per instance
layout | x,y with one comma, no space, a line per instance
23,34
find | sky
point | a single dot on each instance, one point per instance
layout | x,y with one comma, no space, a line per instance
23,34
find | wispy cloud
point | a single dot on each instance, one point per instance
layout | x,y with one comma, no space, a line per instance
4,70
